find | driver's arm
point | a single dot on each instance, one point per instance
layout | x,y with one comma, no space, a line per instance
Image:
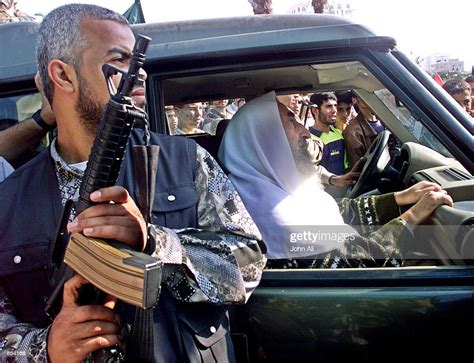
381,246
367,212
381,209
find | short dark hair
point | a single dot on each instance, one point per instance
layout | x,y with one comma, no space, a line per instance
60,37
344,96
453,87
320,97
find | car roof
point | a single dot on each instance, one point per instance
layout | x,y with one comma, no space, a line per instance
17,58
172,40
251,32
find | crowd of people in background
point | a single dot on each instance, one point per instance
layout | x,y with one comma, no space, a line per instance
340,120
200,117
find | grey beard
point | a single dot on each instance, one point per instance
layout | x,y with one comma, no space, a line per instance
314,149
304,155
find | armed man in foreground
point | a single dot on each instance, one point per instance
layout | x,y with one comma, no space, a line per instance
215,261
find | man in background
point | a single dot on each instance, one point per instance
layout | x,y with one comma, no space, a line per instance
171,118
189,118
292,101
470,80
361,132
216,112
9,12
345,109
324,110
461,92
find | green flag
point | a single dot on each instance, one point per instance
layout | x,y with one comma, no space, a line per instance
134,14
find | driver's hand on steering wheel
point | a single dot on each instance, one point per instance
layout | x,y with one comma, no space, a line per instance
426,205
415,192
348,178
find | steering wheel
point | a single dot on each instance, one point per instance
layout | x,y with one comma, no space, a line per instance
372,162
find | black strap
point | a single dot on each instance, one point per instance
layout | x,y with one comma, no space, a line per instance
140,345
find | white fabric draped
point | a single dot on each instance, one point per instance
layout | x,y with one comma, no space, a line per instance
256,154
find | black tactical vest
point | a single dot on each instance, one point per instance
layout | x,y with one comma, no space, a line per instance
30,209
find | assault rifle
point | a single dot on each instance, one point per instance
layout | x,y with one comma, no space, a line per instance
113,268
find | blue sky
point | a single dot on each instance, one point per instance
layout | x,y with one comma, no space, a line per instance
421,27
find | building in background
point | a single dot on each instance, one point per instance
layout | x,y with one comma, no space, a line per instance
442,64
334,7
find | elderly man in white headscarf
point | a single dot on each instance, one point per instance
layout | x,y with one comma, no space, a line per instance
268,156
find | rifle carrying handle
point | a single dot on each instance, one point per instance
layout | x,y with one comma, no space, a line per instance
113,133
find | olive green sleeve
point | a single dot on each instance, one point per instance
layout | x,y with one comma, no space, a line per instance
379,249
374,210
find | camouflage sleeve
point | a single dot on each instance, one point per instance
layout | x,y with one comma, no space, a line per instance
19,342
221,262
369,213
379,249
376,244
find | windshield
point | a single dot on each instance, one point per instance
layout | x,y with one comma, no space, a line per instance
407,120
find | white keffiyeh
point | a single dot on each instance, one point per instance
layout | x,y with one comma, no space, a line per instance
257,155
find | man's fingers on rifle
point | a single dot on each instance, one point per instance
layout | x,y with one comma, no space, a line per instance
108,214
71,290
116,194
108,220
99,210
103,341
98,328
86,313
132,237
128,229
78,350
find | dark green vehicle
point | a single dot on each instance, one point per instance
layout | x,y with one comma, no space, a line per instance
422,312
